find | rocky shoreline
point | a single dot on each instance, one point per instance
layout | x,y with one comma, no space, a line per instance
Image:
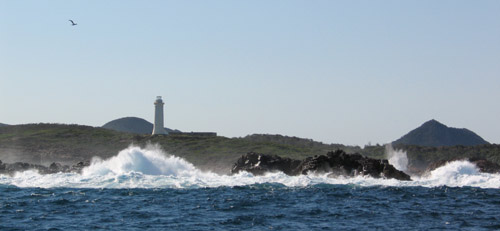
337,163
6,168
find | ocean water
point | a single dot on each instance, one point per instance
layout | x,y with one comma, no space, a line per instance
148,189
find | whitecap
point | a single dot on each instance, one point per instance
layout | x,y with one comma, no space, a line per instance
150,167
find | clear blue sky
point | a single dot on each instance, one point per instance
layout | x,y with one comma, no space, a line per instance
348,72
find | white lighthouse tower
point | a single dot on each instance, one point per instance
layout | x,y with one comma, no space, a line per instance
158,126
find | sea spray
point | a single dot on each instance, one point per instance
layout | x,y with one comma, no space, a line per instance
150,161
150,167
397,158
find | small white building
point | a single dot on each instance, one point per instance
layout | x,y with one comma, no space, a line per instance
158,128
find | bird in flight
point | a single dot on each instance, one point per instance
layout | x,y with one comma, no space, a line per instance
72,23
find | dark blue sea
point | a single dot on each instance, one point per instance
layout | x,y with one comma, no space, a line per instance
148,190
253,207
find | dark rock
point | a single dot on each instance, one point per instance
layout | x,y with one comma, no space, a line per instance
53,168
486,165
258,164
20,167
79,166
336,163
57,167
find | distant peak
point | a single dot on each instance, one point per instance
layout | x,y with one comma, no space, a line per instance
435,134
433,122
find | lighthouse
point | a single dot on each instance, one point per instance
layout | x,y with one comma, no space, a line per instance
158,128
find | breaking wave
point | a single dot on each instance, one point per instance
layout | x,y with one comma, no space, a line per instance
135,167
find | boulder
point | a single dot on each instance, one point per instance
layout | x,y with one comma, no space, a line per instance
259,164
79,166
58,167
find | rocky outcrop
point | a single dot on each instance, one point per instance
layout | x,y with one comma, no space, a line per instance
10,169
79,166
259,164
483,165
336,163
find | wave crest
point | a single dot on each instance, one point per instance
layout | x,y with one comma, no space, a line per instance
145,161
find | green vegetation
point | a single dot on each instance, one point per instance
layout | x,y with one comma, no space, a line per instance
46,143
220,153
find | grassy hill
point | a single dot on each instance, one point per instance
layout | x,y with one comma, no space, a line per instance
43,143
47,143
133,125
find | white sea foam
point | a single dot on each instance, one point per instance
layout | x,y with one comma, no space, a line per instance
149,161
151,168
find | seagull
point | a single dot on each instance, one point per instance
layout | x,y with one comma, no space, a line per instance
72,23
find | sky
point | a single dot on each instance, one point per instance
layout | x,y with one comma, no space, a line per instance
349,72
